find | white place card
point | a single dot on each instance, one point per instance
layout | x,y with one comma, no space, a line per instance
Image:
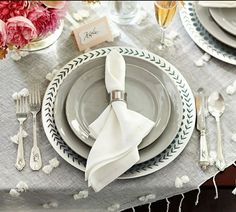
93,33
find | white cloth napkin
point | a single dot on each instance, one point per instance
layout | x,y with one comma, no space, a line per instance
118,132
220,4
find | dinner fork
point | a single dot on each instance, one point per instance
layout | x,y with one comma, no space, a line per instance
35,107
21,115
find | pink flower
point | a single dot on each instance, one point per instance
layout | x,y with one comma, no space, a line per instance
40,17
10,9
3,34
20,31
54,4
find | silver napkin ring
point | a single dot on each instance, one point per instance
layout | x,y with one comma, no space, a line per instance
118,95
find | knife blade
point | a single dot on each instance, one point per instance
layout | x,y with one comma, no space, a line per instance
201,127
200,107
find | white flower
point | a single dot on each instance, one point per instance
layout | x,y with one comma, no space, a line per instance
54,162
14,139
185,179
81,195
22,187
234,137
14,193
53,204
47,169
24,92
206,57
114,207
49,76
199,62
178,183
15,96
230,89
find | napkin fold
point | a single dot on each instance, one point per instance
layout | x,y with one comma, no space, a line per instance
118,132
219,4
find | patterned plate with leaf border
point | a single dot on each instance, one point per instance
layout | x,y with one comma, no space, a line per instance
203,38
138,170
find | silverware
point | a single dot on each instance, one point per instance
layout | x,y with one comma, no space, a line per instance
21,114
201,127
35,107
216,108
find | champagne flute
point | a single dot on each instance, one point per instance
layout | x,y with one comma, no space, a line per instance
164,11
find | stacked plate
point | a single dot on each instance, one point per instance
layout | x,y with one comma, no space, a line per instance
212,29
77,96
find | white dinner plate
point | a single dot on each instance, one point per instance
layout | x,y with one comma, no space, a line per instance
226,18
138,170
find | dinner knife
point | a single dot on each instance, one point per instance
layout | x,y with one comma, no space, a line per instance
201,127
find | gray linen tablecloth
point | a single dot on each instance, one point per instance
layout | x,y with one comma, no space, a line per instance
65,180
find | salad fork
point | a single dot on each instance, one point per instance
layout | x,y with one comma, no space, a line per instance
21,115
35,107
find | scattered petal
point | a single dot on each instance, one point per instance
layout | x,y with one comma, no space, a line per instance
199,62
151,196
53,204
178,183
230,90
54,162
47,169
185,179
234,137
24,92
15,96
206,57
22,187
114,207
55,71
15,56
23,53
142,199
46,205
14,193
49,76
81,195
14,139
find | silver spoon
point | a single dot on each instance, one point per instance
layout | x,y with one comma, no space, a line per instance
216,107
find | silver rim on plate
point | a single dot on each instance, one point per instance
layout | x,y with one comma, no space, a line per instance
203,38
138,170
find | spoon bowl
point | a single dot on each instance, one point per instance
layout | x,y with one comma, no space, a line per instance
216,105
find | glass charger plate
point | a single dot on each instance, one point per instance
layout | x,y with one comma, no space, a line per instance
88,98
203,38
138,170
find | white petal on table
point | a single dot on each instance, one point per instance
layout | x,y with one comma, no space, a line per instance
118,132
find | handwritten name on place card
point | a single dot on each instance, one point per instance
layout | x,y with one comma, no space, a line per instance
93,33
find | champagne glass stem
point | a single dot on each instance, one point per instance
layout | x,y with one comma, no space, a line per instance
163,33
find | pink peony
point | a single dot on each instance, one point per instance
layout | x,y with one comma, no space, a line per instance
40,17
20,31
3,34
9,9
54,4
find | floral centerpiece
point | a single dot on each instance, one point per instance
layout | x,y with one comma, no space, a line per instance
24,21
